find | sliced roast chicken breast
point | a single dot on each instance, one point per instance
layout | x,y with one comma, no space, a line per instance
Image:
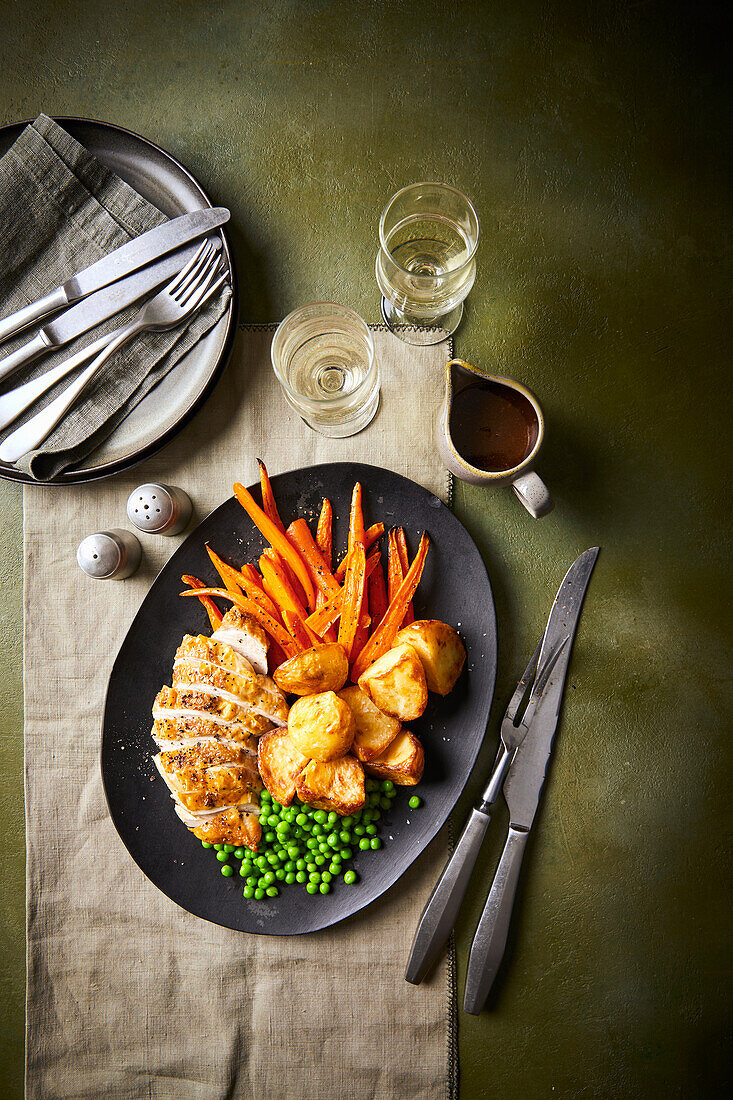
232,826
213,668
194,714
209,777
245,635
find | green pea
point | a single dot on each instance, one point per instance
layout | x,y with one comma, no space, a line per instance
387,786
310,866
205,844
350,878
371,784
326,876
332,817
318,830
265,796
268,877
364,844
300,865
347,821
332,840
276,805
251,880
280,874
290,878
346,853
321,817
366,817
248,892
415,802
311,887
222,857
319,860
344,836
227,871
312,842
375,843
283,829
243,872
301,819
385,803
259,893
358,830
371,830
325,888
290,865
314,876
262,883
261,862
293,851
324,848
239,853
272,891
269,836
334,868
218,847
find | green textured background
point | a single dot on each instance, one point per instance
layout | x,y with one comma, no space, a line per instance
592,139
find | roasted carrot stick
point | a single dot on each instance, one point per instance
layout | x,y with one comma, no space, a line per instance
279,589
269,506
251,583
384,635
271,625
324,534
278,541
370,537
215,615
362,631
395,576
377,592
353,597
299,534
232,577
327,615
297,629
405,563
356,519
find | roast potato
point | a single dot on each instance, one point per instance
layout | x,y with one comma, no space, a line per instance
335,785
375,730
322,726
396,683
403,762
440,650
322,668
280,763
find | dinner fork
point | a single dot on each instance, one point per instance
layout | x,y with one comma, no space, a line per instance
192,287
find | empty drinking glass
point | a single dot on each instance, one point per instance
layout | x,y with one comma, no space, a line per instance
323,356
428,234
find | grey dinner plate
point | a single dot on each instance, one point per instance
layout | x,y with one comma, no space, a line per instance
163,181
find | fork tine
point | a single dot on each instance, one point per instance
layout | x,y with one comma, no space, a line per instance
527,676
185,270
202,264
212,290
188,297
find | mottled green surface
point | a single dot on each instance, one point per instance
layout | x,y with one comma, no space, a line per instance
591,139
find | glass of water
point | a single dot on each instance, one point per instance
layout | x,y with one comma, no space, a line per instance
323,356
428,235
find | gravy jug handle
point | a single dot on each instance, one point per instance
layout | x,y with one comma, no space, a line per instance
534,494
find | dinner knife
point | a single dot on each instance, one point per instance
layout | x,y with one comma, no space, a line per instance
97,308
115,265
523,787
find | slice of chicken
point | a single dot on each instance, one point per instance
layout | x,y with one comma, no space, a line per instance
245,635
195,713
207,777
233,826
215,669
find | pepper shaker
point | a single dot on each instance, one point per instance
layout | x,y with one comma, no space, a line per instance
109,555
159,509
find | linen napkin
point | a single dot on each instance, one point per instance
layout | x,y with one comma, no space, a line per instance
128,995
60,210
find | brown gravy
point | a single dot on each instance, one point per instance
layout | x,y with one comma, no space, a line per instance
493,426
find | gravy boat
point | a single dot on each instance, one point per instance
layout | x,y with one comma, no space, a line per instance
527,485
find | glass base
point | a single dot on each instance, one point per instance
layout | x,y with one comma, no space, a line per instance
336,428
411,331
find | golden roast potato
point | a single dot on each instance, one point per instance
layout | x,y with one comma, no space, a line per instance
375,730
440,650
322,726
396,683
335,785
403,762
322,668
280,763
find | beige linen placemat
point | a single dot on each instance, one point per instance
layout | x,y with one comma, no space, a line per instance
128,995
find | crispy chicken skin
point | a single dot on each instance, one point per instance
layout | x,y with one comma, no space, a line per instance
216,669
187,703
209,777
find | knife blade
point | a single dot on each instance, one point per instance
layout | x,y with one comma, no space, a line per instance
523,786
97,307
115,265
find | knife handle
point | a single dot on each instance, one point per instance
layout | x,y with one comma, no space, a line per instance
489,942
19,320
439,915
18,358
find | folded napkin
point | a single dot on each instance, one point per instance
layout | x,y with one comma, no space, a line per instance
60,210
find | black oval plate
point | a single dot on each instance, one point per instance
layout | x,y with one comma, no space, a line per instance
454,587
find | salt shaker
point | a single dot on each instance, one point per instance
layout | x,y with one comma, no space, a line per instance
109,555
159,509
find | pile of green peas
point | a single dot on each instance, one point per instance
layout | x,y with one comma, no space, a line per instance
306,846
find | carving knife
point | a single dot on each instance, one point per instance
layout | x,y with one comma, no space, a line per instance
117,264
97,308
523,786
